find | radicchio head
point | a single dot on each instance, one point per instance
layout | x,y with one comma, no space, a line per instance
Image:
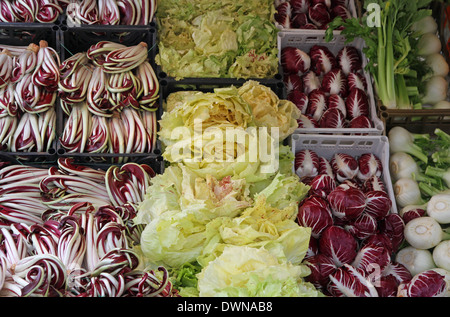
348,281
306,163
322,185
357,104
362,227
369,165
314,213
335,82
349,60
321,267
319,15
300,100
332,118
322,60
338,244
347,203
378,204
317,104
294,60
344,166
426,284
306,122
293,82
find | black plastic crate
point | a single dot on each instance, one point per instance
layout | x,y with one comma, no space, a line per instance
78,39
23,34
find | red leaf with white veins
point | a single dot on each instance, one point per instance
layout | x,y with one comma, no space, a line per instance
294,60
299,6
306,122
349,59
348,281
317,104
344,166
310,82
357,104
335,82
319,15
356,80
306,163
300,99
369,165
336,101
332,118
322,60
293,82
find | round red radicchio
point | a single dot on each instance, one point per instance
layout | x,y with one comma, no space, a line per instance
426,284
360,122
306,163
379,239
325,167
314,213
386,286
344,166
299,20
306,122
398,271
356,80
393,226
341,11
321,267
349,60
369,165
327,3
357,104
299,6
322,60
293,82
310,82
332,119
317,104
313,248
319,15
378,204
411,212
322,185
362,227
284,14
338,244
299,99
348,281
335,82
294,60
373,183
372,259
347,203
336,101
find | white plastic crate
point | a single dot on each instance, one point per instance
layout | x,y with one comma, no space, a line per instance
351,6
305,42
328,145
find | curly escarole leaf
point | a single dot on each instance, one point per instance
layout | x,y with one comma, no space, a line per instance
231,39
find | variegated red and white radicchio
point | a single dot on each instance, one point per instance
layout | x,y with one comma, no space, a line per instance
353,233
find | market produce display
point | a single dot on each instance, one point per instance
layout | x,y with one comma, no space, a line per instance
245,153
227,39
